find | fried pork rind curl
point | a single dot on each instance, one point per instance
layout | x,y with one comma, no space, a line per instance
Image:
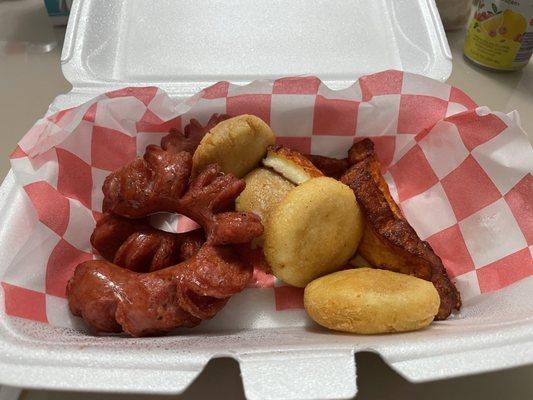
149,184
137,246
113,299
156,183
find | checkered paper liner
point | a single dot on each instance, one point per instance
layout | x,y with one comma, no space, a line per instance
461,174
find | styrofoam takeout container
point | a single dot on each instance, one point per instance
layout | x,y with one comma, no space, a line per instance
183,47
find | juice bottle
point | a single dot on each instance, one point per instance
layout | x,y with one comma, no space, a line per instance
500,34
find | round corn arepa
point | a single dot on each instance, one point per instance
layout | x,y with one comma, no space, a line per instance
313,231
263,192
371,301
237,144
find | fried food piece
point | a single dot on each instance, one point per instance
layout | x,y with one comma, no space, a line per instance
151,251
147,185
113,299
266,187
207,202
332,167
157,182
136,245
370,301
237,144
313,231
112,231
389,241
290,164
263,192
193,133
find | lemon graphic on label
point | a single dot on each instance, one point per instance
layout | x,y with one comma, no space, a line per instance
492,25
514,25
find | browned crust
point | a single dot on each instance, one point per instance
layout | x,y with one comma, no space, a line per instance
332,167
390,231
294,159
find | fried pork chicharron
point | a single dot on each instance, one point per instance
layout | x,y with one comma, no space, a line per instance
389,242
133,243
137,246
332,167
114,299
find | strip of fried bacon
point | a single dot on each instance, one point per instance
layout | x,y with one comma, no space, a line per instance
389,242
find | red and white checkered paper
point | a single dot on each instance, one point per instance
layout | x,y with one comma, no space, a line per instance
461,174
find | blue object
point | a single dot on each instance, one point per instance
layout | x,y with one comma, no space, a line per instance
58,8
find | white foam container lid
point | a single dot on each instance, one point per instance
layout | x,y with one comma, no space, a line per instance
187,45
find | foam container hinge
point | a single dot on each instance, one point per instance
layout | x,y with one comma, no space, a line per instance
183,47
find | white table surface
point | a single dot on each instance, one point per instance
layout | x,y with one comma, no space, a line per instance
30,77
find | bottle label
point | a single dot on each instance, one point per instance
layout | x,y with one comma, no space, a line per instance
500,35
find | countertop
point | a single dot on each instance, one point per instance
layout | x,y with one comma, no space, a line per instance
30,77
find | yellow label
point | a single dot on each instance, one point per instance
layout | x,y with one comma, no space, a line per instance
494,37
